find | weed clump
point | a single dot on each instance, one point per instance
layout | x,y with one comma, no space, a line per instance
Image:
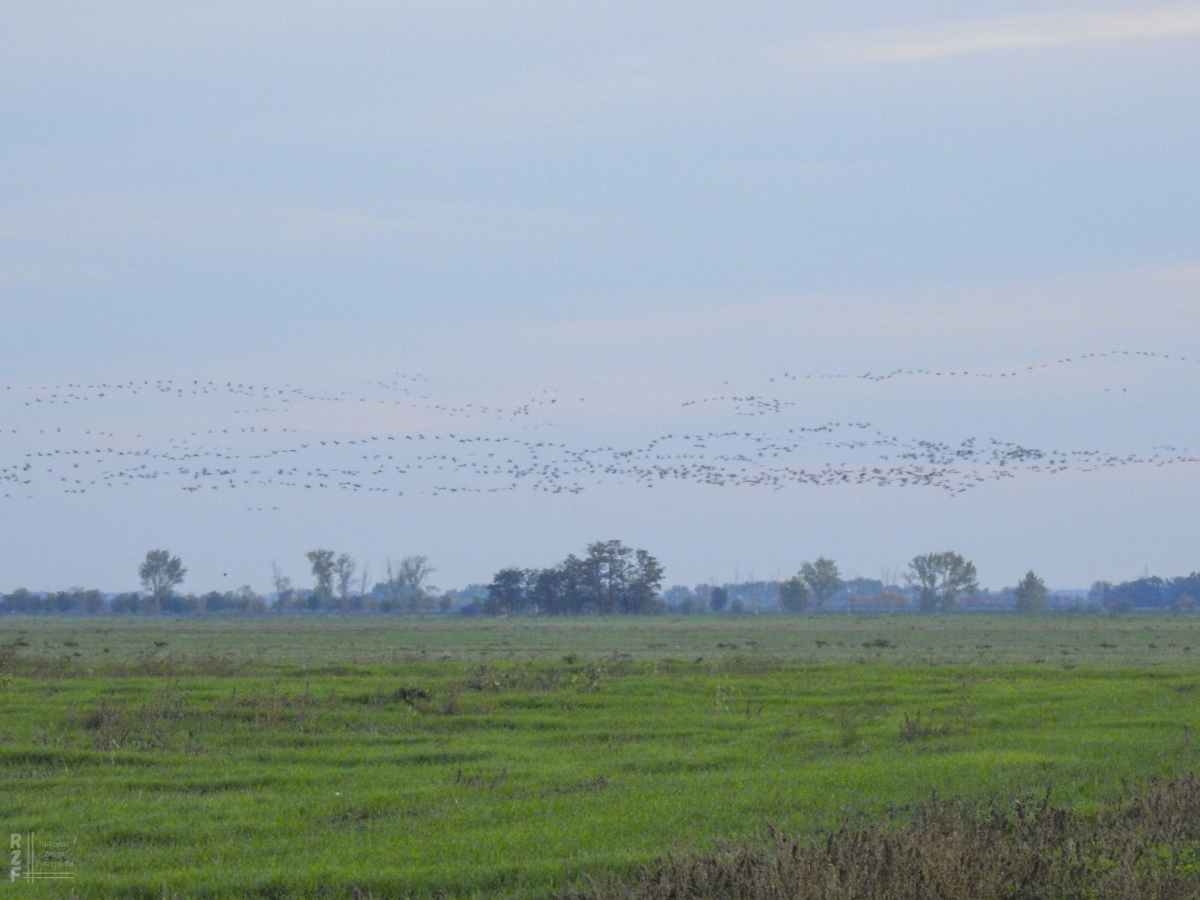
498,678
1144,845
411,695
916,728
150,727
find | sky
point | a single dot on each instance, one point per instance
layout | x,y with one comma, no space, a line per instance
406,213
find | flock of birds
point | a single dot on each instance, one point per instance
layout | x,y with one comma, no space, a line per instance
393,437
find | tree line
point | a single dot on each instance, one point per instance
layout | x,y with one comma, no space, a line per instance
609,578
340,586
1151,592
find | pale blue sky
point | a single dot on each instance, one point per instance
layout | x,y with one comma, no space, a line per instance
634,204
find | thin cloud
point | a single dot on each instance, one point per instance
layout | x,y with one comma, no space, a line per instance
85,218
1025,32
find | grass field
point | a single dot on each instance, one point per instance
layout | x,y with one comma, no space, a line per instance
278,758
1142,641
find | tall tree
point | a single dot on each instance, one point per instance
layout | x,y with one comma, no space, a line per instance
1099,593
407,584
343,573
718,599
578,595
608,564
645,582
612,578
823,578
282,584
161,573
794,595
940,579
506,594
619,579
1031,594
546,590
322,562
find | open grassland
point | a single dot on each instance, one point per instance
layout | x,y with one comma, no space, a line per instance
1161,641
297,758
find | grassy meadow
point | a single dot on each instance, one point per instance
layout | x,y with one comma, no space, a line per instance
281,758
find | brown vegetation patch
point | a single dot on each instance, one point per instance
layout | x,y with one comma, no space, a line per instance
1145,845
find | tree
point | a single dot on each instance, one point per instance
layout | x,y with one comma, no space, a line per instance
644,584
248,601
794,595
1098,595
566,589
940,579
619,579
161,573
1031,594
322,562
506,594
343,572
406,584
283,586
612,578
607,566
823,578
545,591
93,602
1144,593
718,599
125,603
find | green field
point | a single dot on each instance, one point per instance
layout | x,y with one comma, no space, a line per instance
279,758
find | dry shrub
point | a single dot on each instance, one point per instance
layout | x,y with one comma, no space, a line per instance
150,727
10,654
413,696
272,709
1145,845
918,729
177,665
739,664
955,719
539,677
419,699
146,663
